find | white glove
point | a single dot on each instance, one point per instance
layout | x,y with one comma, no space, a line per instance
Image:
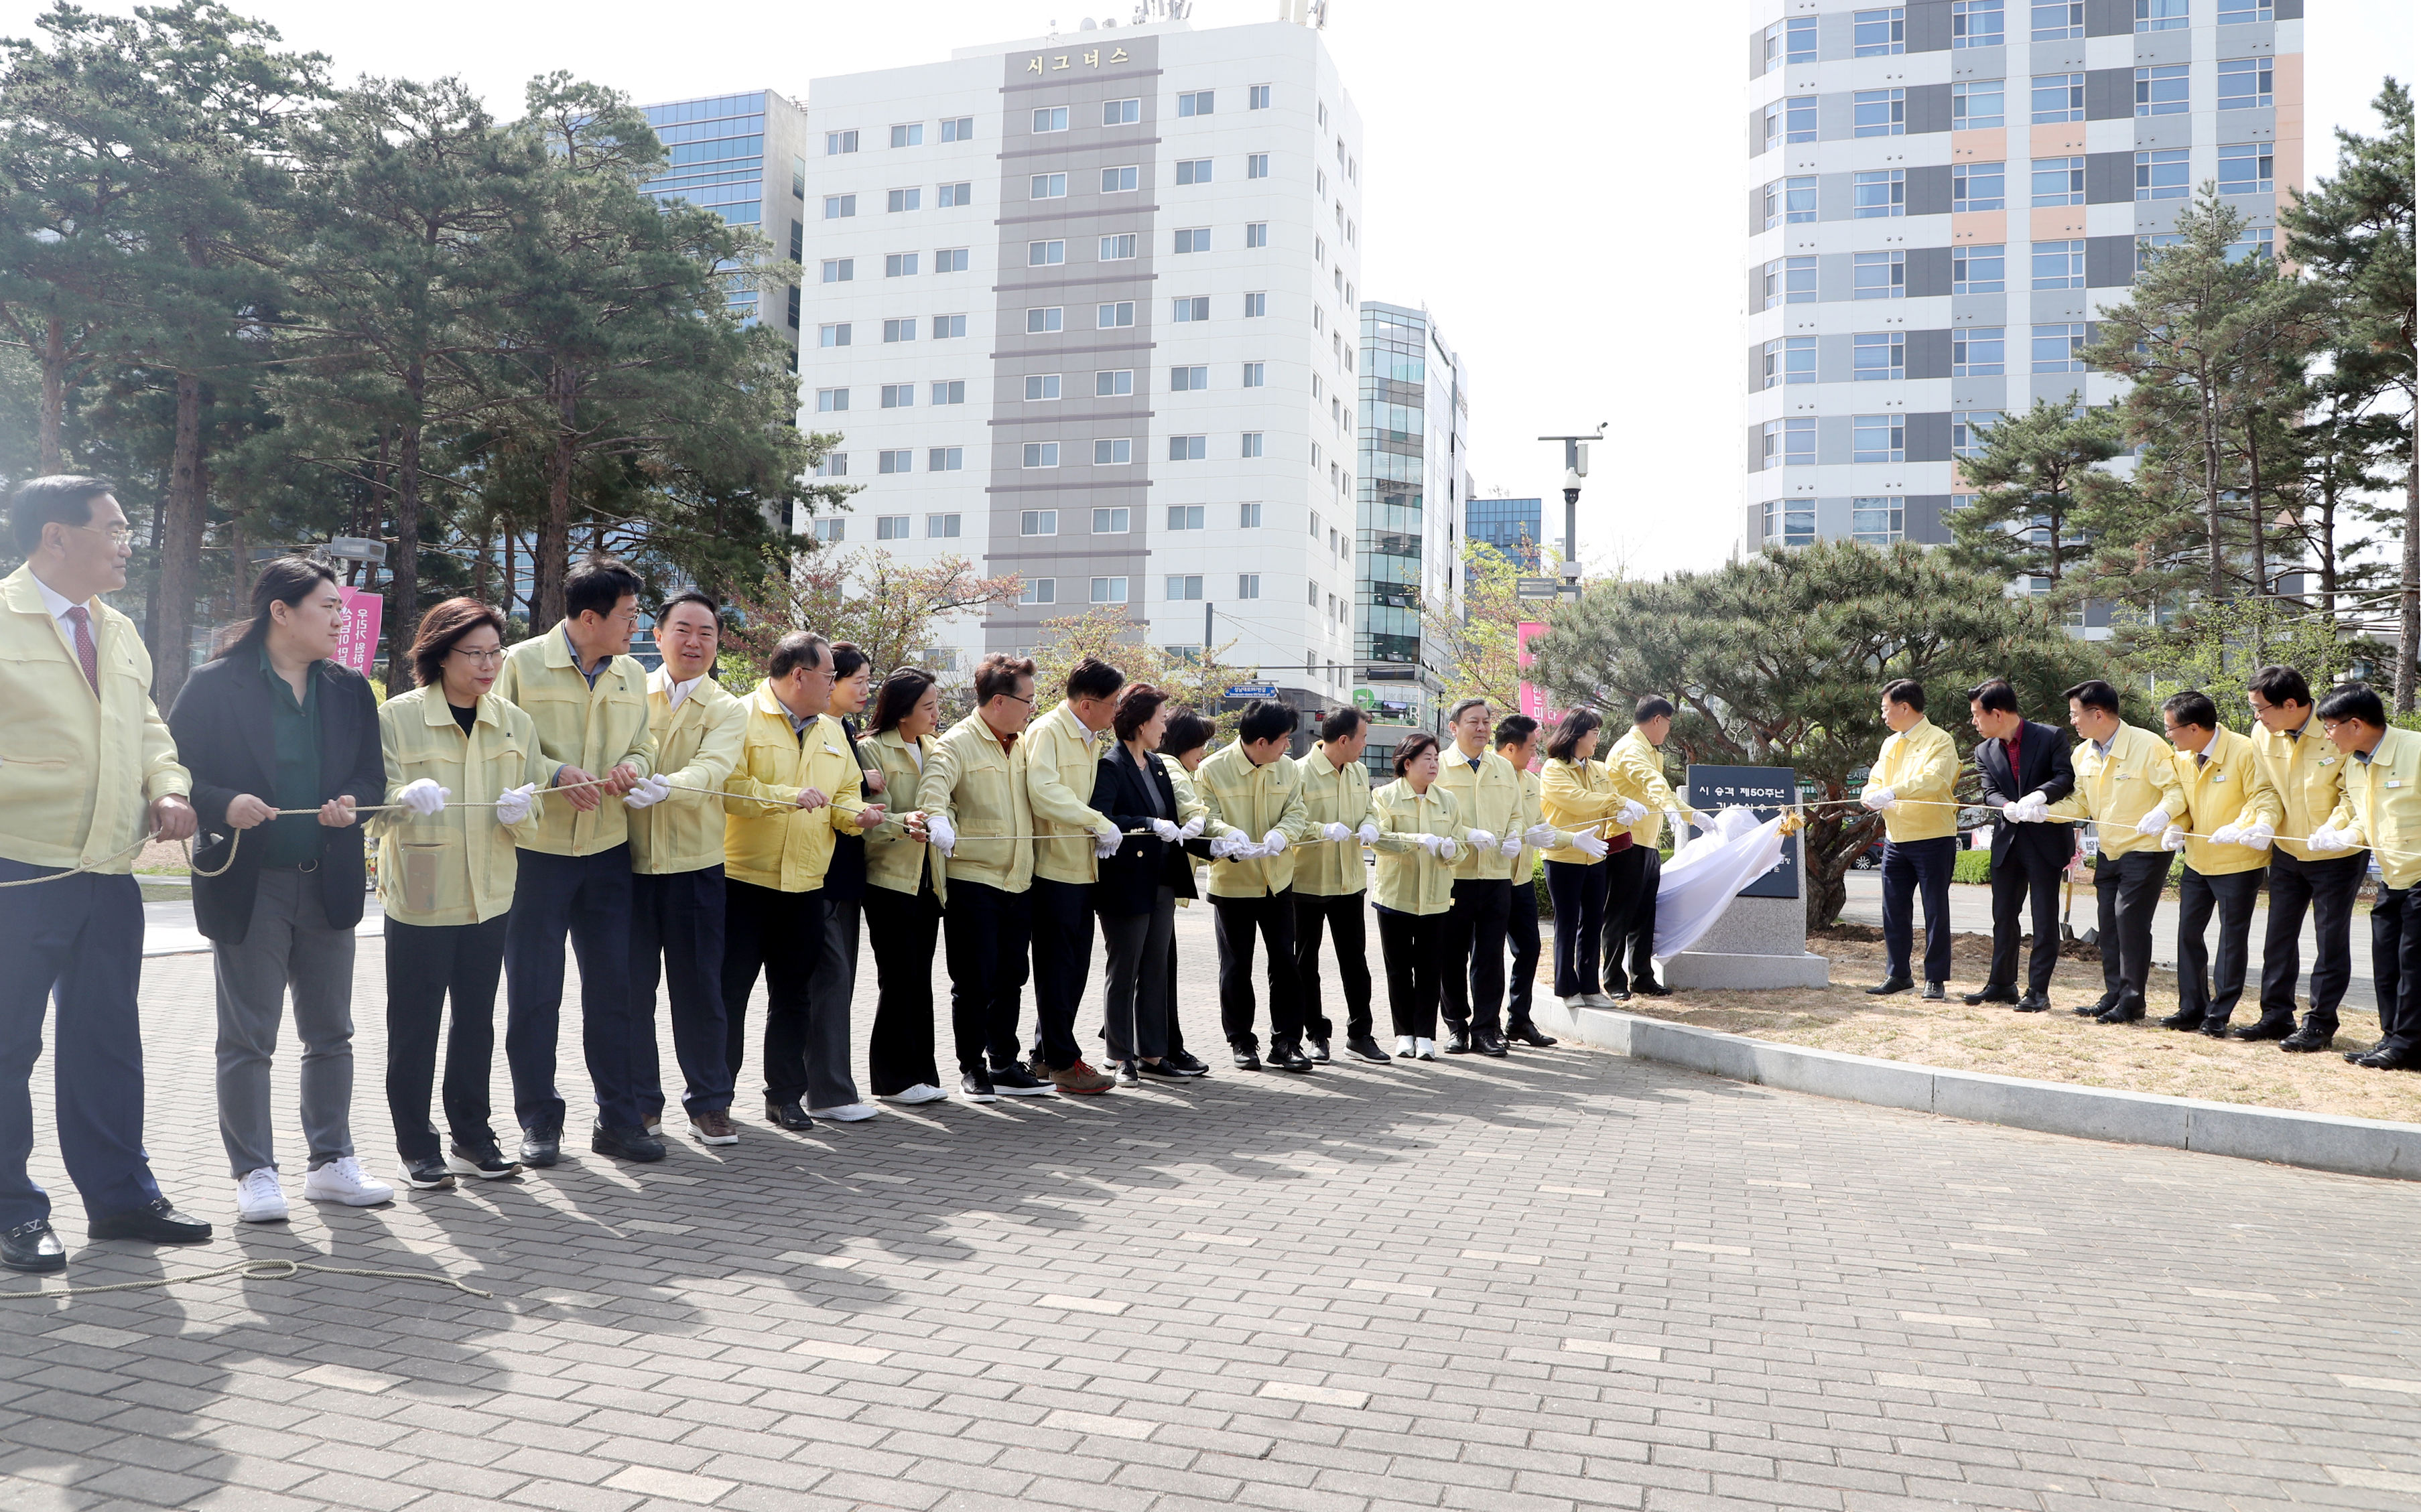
2037,808
1480,839
1511,847
1193,828
1334,832
1166,830
2173,838
514,803
651,790
424,797
1589,846
1227,847
2014,811
1252,849
944,835
1878,799
1368,832
2328,837
1106,842
1541,835
1448,849
1274,842
2228,834
2257,835
2153,823
1630,813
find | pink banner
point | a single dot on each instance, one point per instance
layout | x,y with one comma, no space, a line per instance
1533,703
357,643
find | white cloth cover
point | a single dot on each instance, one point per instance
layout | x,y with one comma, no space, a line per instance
1698,883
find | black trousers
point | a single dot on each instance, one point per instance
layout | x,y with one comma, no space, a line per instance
785,936
1139,957
1473,989
985,932
1238,919
1063,963
2024,885
1630,931
1522,938
2327,887
1413,948
1578,890
2396,969
902,927
1341,915
2209,982
588,899
1908,868
2126,890
424,964
676,937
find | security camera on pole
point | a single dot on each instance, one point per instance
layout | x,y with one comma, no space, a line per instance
1575,469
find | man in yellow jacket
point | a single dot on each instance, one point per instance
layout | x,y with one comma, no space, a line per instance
2231,815
1256,817
1636,767
1487,803
2309,772
86,771
1517,742
589,701
1330,882
2127,786
1064,754
1910,786
2385,789
975,782
677,884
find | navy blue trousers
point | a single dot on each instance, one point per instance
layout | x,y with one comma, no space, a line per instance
80,937
1918,866
588,899
2395,970
676,938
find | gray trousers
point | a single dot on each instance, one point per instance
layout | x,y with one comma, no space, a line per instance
1135,1013
826,1050
288,948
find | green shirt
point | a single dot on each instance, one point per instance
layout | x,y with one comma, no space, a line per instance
294,735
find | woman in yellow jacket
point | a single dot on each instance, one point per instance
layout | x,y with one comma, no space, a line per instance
905,891
1577,795
1413,889
463,770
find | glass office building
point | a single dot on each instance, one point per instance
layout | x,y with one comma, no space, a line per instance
1414,413
744,157
1513,527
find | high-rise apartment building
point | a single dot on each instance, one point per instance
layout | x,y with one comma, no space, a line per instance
1942,197
1081,309
744,157
1415,466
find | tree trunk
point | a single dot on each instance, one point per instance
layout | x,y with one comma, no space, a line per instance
553,550
403,569
2211,494
2408,600
2260,533
180,549
54,394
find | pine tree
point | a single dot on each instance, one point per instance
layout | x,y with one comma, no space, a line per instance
2025,474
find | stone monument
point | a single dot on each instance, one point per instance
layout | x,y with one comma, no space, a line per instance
1761,940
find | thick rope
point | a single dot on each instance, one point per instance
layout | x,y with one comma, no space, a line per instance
251,1271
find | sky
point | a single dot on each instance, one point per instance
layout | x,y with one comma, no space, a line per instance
1498,161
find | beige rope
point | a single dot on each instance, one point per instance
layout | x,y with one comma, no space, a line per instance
251,1271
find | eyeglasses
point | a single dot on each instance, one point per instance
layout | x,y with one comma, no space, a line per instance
480,657
118,534
1014,698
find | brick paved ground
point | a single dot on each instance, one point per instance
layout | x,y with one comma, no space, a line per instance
1563,1280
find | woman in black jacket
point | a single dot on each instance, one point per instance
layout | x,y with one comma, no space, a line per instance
1136,888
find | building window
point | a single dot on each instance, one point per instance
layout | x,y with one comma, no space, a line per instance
1248,515
1788,444
1118,180
1039,590
2253,241
2057,96
2160,15
1042,454
1879,113
1194,170
840,206
1876,522
1110,317
949,196
2058,21
1184,517
1878,356
1049,118
944,460
2058,181
1119,248
1187,448
2168,173
1195,308
1788,280
2059,264
835,464
907,199
1878,33
2059,349
941,527
1977,105
831,531
830,400
1039,522
959,129
836,143
792,312
948,326
1043,320
1257,165
1258,97
1110,520
1800,40
839,270
1186,380
1193,238
894,461
951,260
891,527
798,177
1789,360
1256,233
1977,23
2243,168
1878,276
1197,103
1113,451
2239,12
1042,386
1878,438
1789,522
1978,186
1790,200
908,136
949,391
1256,305
1109,590
1185,586
899,265
2244,82
1110,381
1878,192
1979,269
899,330
1977,350
2161,91
2145,245
898,396
1256,375
1252,447
1045,254
1122,112
1966,430
1047,186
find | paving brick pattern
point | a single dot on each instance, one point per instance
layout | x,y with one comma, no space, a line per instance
1563,1280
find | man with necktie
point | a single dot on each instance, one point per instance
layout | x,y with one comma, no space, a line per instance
2021,763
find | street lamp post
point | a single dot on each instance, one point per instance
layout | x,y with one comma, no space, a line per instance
1575,469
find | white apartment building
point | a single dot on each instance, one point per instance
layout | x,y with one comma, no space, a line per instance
1082,308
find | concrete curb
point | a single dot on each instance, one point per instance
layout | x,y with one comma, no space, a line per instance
2354,1146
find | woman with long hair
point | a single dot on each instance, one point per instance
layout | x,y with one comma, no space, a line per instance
1413,890
1184,744
463,770
905,891
1577,795
1136,892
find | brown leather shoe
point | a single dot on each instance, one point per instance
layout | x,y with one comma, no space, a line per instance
713,1127
1082,1078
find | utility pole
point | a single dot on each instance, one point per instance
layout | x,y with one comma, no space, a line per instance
1575,469
1207,607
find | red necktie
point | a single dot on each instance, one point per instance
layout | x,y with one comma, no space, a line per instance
85,651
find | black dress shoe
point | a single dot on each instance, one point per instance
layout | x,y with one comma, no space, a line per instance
1487,1042
1458,1042
1364,1047
1990,994
2096,1009
1890,985
155,1222
2304,1042
2382,1060
2266,1027
1620,997
787,1114
1528,1033
2353,1057
32,1247
543,1146
1287,1057
1934,992
2120,1016
1651,988
1318,1051
429,1173
1247,1059
2215,1028
2031,1003
1186,1064
626,1142
2181,1020
1160,1069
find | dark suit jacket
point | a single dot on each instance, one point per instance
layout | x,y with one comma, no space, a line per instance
2043,766
1129,878
223,722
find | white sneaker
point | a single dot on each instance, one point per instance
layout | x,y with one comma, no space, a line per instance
343,1179
1427,1050
848,1113
257,1197
921,1092
1407,1047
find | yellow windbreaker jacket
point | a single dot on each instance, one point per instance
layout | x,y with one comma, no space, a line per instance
2310,775
767,838
894,861
594,726
1920,762
1332,795
457,865
981,788
2228,788
1638,771
2387,794
2117,790
1255,800
697,746
1487,799
1575,795
1409,879
1061,760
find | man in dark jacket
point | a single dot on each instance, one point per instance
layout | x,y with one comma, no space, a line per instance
2022,762
274,724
